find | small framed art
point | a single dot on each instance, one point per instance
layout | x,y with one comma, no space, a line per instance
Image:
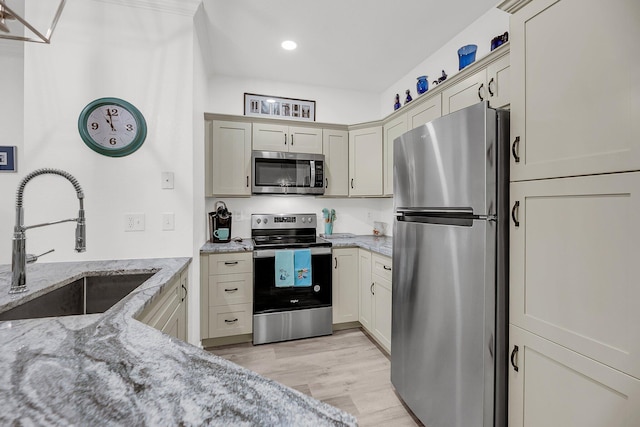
8,161
274,107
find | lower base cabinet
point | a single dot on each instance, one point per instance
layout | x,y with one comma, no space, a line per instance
375,296
550,385
226,294
169,313
345,285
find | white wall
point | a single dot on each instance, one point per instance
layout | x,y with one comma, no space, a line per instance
99,50
480,33
226,96
352,215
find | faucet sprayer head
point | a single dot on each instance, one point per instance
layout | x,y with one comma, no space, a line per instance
81,232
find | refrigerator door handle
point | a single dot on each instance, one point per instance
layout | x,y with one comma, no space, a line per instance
446,216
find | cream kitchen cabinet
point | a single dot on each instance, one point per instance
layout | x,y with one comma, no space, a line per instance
335,147
228,158
294,139
490,83
574,265
428,109
169,313
392,129
575,94
375,296
226,294
345,285
554,386
365,161
365,315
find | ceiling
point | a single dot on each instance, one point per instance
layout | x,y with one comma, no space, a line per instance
349,44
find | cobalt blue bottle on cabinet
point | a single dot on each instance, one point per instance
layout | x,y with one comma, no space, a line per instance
423,85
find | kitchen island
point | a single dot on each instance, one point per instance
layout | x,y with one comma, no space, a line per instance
110,369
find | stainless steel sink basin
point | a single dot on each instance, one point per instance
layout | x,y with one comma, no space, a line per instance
87,295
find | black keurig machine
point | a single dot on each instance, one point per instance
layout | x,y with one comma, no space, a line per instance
220,224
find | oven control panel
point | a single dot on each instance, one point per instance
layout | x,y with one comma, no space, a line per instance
286,221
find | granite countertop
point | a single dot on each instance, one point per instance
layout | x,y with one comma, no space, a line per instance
377,244
110,369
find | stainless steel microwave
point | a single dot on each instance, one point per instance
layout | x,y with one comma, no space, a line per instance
287,173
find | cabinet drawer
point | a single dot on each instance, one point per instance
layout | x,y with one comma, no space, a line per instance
230,320
226,289
230,263
381,266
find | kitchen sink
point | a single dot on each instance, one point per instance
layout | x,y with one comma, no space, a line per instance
86,295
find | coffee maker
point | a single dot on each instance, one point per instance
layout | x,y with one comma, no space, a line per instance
220,224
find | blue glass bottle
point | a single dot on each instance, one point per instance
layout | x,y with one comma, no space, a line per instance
397,103
408,97
423,85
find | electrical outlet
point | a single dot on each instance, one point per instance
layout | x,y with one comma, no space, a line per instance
168,221
167,180
134,222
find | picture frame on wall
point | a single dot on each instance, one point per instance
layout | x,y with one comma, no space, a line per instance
275,107
8,161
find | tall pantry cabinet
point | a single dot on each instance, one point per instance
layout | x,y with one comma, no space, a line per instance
575,195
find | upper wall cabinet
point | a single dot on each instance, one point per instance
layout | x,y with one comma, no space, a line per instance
392,129
487,84
365,161
295,139
335,147
423,113
575,94
228,159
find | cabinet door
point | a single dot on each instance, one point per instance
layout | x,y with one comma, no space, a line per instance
392,130
499,82
366,289
423,113
335,147
555,386
270,137
176,325
466,92
576,94
365,162
228,161
382,311
305,140
574,265
345,285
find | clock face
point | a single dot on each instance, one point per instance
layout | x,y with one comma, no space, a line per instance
112,127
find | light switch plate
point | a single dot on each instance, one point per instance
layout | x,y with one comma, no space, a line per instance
167,180
168,221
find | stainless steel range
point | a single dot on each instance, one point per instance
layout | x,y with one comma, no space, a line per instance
292,278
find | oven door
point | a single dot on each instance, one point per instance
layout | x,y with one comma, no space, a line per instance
287,173
267,298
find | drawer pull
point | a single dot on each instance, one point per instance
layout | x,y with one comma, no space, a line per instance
230,321
514,213
336,266
371,289
231,263
185,293
514,353
230,290
515,148
326,183
386,268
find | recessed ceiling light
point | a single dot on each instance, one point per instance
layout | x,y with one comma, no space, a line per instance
289,45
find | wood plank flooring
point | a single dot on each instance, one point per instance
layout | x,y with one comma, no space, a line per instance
346,370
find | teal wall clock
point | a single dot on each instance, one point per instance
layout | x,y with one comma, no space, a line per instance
112,127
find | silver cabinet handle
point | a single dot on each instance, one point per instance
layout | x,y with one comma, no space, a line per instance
489,87
231,263
514,213
514,354
231,289
230,321
515,148
386,268
480,95
371,289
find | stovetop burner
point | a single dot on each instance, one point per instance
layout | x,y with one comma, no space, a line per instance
281,231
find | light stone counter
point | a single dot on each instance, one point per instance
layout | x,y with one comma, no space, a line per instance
377,244
109,369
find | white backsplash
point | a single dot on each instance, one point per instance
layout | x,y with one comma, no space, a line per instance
352,215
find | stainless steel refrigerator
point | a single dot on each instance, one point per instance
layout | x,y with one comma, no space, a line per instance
450,245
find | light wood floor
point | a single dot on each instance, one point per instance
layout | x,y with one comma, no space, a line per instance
346,370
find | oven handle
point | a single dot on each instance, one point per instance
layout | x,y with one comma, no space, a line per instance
271,253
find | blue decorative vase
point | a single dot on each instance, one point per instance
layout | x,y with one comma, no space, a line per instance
397,105
423,85
466,55
328,228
